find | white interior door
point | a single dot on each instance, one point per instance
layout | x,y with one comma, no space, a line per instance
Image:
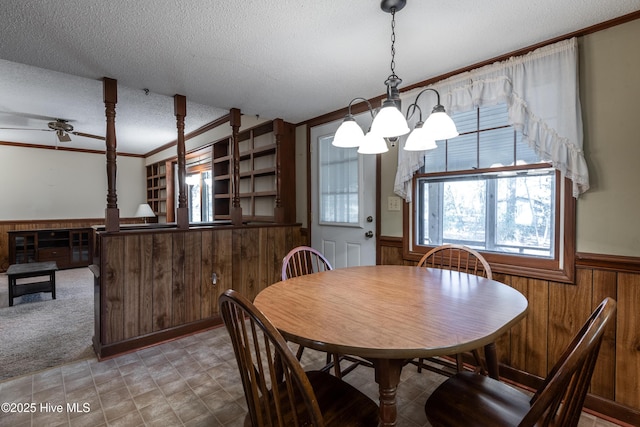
342,200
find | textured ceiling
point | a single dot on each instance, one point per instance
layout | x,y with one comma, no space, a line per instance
293,59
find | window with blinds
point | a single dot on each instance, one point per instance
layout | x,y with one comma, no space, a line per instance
487,189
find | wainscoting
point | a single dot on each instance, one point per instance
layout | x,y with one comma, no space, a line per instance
556,312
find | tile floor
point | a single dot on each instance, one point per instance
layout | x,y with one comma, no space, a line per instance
192,381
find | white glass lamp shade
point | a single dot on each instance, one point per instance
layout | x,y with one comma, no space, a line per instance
420,140
144,211
373,144
440,126
389,122
348,135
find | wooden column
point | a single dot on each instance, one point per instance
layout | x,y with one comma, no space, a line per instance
278,130
182,214
236,210
110,96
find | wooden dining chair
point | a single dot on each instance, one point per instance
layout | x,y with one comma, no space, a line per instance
467,399
467,260
303,260
458,258
278,391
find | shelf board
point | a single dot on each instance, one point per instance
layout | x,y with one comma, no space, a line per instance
265,149
258,194
264,171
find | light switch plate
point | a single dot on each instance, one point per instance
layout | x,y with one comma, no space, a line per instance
394,203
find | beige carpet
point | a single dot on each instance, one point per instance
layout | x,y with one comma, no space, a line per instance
39,332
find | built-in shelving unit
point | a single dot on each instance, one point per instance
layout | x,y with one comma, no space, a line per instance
257,152
157,188
222,171
266,156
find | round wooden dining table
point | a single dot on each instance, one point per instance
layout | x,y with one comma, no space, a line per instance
390,314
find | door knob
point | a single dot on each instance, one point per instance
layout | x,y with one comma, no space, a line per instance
369,218
368,234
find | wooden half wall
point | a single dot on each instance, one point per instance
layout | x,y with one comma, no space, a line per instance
556,313
154,285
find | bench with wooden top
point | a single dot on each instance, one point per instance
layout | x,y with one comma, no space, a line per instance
31,269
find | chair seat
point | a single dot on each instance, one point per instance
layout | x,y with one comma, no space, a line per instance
341,404
468,399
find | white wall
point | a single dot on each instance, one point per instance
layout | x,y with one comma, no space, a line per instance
607,214
56,184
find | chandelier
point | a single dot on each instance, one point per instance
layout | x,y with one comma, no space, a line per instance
388,121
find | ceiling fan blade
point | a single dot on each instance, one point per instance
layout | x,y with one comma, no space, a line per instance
88,135
45,130
27,115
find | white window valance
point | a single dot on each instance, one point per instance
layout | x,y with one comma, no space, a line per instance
541,92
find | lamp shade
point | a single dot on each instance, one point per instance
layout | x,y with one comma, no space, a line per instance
349,134
389,122
144,211
420,140
373,144
440,126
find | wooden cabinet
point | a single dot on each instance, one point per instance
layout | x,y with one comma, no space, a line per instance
22,247
67,247
80,247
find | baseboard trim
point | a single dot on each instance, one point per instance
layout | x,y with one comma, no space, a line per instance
108,351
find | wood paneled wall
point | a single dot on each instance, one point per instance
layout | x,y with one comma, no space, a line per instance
557,311
157,284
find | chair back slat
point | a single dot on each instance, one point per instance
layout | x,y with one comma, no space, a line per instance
457,258
559,401
277,390
303,260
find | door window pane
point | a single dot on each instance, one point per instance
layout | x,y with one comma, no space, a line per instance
338,183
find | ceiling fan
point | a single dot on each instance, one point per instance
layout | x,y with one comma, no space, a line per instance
63,129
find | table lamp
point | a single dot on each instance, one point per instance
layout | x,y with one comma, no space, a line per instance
144,211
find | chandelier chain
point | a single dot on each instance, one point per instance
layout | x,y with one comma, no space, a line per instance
393,41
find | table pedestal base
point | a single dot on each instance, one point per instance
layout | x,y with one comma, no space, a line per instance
388,377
